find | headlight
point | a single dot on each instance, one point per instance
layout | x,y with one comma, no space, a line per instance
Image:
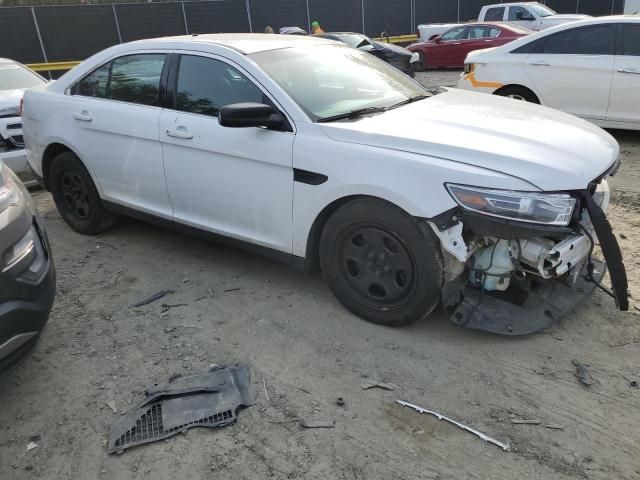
414,57
9,192
542,208
469,67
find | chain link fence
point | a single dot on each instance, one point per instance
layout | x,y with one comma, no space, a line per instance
57,33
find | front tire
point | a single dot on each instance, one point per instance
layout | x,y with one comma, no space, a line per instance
76,196
381,263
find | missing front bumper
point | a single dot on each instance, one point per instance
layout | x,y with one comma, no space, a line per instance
540,305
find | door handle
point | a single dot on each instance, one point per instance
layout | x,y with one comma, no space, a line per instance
83,116
541,63
180,132
629,70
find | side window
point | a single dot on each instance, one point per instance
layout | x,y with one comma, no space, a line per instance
455,34
136,78
519,13
630,40
206,85
495,14
598,40
132,78
494,32
477,32
94,84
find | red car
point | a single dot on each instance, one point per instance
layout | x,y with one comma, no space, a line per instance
451,48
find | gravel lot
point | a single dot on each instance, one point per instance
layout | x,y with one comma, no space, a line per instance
308,351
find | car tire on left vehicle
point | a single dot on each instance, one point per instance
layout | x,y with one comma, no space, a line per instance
76,196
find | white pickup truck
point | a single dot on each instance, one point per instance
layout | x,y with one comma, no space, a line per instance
532,15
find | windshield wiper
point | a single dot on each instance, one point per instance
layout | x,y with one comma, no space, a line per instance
409,100
352,114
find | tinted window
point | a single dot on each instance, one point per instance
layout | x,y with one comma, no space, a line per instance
483,32
136,78
455,34
630,40
94,84
206,85
530,47
599,40
494,14
519,13
133,79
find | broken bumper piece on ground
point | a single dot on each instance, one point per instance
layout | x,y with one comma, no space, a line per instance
210,399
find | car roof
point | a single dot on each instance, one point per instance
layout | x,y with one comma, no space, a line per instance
510,4
8,61
244,43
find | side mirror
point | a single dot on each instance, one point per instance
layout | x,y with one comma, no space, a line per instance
240,115
367,48
438,39
433,37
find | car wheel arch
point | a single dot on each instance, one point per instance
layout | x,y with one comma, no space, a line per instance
54,149
518,86
312,251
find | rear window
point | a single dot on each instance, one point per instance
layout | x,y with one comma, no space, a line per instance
494,14
132,79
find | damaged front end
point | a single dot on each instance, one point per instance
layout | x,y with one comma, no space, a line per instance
515,262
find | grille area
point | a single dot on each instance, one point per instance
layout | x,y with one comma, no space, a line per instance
149,426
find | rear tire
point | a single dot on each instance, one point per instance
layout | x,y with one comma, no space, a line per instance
76,196
518,93
381,263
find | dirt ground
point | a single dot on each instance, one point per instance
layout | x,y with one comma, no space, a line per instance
308,351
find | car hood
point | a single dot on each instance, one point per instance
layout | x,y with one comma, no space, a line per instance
390,47
565,18
10,101
551,150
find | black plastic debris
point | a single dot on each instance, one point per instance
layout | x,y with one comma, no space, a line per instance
210,399
156,296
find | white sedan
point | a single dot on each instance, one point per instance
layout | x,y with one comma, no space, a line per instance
14,80
325,157
589,68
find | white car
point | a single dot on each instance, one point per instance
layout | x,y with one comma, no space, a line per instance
589,68
531,15
325,157
429,30
14,80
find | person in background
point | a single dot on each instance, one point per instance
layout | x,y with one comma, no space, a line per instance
316,29
269,29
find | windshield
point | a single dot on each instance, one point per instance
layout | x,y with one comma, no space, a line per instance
330,80
14,76
354,41
541,10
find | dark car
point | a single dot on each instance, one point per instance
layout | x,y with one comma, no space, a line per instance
451,48
27,275
399,57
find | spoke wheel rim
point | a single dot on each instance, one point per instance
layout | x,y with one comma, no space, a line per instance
74,195
376,267
517,96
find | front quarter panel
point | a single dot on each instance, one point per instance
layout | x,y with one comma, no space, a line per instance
410,181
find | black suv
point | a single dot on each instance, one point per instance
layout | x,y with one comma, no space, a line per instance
27,275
